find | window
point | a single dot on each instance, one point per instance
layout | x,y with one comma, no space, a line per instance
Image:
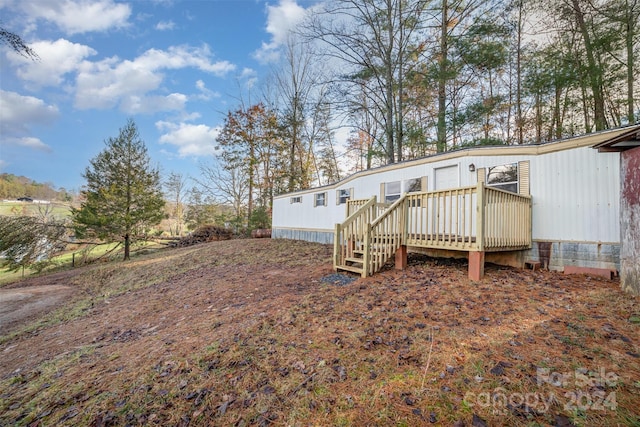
296,199
504,177
320,199
343,196
413,185
391,191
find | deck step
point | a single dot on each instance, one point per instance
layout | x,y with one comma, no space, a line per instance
354,260
350,268
361,253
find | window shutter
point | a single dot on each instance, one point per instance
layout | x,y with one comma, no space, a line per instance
351,194
424,184
523,178
382,192
482,174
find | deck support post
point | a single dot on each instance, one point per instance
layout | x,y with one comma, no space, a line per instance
336,248
401,257
476,265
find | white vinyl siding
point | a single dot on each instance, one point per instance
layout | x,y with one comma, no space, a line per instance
575,191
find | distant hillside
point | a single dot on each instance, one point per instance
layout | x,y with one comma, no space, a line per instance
12,187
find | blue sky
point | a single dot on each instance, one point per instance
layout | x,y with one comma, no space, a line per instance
175,67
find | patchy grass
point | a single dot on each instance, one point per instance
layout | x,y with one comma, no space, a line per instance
59,210
258,332
81,256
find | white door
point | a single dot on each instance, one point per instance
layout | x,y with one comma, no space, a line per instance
445,225
447,177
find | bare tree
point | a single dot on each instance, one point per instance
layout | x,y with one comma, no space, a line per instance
16,43
374,42
295,79
175,188
626,14
227,186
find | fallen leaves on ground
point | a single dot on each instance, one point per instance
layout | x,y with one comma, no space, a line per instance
262,332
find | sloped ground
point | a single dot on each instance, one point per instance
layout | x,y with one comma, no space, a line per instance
262,332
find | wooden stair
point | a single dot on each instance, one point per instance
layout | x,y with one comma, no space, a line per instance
353,264
368,237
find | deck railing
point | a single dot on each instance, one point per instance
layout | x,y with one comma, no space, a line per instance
443,219
354,205
507,220
385,235
475,218
350,235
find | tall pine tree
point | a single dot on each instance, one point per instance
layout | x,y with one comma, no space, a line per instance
123,194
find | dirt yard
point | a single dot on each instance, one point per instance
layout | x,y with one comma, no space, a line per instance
262,332
19,305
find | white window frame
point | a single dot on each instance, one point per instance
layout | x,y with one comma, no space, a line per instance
407,183
407,189
389,196
295,199
503,185
343,195
324,199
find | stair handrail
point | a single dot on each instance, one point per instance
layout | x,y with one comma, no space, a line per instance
371,265
339,254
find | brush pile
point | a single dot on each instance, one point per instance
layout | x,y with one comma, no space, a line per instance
206,233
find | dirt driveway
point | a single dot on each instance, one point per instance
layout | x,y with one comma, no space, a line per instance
19,305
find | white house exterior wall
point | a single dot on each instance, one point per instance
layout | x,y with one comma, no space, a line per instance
576,196
575,192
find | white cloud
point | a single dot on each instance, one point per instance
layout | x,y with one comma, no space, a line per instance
112,82
250,77
150,104
78,16
18,114
184,56
32,143
105,83
205,93
165,25
281,19
57,58
190,139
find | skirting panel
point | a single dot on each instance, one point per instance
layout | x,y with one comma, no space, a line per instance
325,237
557,255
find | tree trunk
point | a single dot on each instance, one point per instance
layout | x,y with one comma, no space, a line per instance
630,65
538,119
556,111
593,70
400,106
127,246
519,119
441,144
390,107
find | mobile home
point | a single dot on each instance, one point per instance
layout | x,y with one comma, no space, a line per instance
557,204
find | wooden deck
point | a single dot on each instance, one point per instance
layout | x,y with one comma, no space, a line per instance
472,219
